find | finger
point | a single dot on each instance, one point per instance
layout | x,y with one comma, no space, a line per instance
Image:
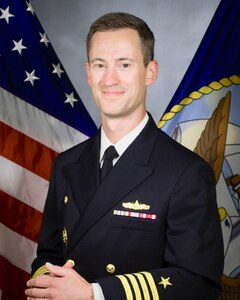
63,272
42,281
30,283
69,264
56,270
35,293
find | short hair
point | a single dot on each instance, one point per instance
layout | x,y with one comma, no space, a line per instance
119,20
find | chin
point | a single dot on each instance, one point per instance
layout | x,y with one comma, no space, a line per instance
113,114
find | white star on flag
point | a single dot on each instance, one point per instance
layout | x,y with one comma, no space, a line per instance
30,8
70,99
6,14
57,70
31,77
18,46
33,116
44,38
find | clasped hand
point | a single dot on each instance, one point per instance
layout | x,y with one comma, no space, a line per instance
62,283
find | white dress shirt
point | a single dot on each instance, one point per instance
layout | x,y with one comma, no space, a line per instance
120,146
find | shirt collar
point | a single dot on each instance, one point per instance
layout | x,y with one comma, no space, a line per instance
124,142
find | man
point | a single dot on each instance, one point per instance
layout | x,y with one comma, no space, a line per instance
148,229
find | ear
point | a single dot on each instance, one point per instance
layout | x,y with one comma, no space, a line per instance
152,72
88,76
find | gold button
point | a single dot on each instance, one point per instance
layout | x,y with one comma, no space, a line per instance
110,268
71,261
65,199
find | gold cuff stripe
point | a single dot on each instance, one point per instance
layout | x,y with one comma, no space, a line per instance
152,285
42,270
126,286
142,281
135,286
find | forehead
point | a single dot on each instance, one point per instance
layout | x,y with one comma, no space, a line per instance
125,41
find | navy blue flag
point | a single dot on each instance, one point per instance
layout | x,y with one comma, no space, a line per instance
41,115
204,115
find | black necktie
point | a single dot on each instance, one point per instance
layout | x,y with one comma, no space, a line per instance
109,154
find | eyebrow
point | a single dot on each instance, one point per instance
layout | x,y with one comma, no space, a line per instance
118,59
97,59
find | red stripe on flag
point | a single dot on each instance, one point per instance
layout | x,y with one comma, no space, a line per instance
12,281
26,152
20,217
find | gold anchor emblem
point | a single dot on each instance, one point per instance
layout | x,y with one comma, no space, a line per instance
64,236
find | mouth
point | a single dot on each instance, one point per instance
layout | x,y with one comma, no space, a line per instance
113,93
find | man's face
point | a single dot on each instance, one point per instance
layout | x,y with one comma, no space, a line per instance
116,73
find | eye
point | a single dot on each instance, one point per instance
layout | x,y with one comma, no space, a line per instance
99,66
125,65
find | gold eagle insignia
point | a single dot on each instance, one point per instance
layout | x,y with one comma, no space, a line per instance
136,205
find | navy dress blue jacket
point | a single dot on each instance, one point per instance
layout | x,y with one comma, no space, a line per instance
150,230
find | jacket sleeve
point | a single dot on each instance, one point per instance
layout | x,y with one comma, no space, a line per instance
49,246
193,259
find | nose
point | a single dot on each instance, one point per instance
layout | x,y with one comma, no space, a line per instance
111,76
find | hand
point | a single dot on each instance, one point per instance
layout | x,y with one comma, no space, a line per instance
63,284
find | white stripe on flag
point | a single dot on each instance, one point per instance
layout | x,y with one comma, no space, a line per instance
22,184
44,128
20,256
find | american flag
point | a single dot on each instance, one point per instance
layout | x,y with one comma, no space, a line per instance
40,116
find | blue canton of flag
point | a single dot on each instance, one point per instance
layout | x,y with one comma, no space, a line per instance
204,116
40,116
31,70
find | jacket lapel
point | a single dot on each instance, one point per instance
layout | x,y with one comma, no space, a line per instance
130,170
83,176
